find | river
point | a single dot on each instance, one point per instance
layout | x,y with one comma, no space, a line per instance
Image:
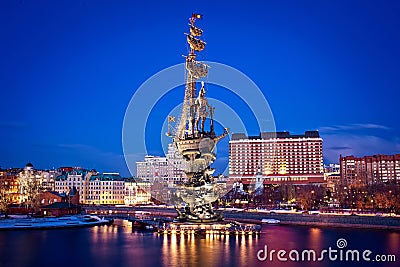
119,245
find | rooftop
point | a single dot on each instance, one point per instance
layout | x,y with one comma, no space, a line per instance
106,177
273,135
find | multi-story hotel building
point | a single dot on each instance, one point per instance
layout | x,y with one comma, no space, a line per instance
152,168
369,169
276,158
167,169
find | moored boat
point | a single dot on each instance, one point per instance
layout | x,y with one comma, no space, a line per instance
270,221
51,223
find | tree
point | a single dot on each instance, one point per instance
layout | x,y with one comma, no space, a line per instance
304,199
31,190
5,197
382,201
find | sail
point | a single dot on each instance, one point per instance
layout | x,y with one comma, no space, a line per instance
195,31
187,126
197,69
196,44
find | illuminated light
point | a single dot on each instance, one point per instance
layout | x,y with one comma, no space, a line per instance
227,232
165,232
173,232
250,233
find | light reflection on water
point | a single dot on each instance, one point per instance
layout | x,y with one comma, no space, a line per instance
119,245
188,250
394,242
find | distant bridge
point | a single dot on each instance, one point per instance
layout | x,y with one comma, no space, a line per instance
126,212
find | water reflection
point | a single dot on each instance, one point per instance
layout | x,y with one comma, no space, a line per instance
183,250
315,238
394,243
118,245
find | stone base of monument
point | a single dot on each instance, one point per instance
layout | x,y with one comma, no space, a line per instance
200,214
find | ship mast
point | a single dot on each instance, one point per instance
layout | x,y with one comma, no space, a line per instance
194,71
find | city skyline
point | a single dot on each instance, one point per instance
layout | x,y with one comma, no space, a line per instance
69,71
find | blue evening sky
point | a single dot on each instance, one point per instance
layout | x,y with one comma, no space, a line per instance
68,70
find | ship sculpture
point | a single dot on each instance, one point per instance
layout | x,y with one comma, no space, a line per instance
195,138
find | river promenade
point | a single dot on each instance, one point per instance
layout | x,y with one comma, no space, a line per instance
322,220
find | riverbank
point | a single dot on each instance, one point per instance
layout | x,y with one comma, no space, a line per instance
321,220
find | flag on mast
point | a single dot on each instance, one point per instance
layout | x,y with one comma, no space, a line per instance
197,16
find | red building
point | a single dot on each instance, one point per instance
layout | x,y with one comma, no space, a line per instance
50,197
56,204
276,158
60,209
369,169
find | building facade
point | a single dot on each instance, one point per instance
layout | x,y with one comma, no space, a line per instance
332,176
106,188
79,185
369,170
49,197
92,187
332,168
9,186
152,168
22,183
276,158
78,178
168,170
136,192
31,182
176,165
